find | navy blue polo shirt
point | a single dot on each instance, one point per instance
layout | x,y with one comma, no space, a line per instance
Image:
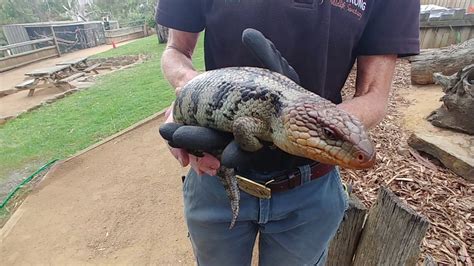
321,39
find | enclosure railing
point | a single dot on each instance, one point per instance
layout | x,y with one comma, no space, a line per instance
125,34
9,60
8,49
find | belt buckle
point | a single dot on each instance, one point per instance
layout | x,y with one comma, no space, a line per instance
253,188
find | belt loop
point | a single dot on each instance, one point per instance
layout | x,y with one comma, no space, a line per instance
305,171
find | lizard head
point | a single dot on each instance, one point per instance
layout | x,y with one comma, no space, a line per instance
322,132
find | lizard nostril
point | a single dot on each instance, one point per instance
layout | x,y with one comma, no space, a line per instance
361,157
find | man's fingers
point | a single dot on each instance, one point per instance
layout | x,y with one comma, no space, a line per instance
168,112
167,130
207,164
265,51
233,156
181,155
200,138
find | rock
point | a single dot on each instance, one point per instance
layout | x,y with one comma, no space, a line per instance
455,152
4,119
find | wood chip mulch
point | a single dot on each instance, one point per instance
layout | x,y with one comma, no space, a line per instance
444,198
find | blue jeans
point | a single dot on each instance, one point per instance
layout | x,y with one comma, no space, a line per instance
295,226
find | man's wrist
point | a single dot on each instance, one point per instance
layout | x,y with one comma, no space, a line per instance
189,75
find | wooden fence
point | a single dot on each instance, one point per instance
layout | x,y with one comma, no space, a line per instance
42,49
125,34
390,233
448,3
448,29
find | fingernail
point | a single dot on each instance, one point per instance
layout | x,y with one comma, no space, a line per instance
211,172
180,160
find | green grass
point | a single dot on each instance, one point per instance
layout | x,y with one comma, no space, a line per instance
141,46
115,102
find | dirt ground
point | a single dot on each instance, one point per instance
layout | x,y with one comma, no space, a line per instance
425,100
15,103
119,203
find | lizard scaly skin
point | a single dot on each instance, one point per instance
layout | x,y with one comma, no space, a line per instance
259,105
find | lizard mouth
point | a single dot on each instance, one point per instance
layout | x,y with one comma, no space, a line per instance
359,159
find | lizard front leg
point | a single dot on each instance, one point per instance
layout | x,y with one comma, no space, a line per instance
248,131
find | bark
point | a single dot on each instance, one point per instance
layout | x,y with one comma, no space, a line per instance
344,244
457,111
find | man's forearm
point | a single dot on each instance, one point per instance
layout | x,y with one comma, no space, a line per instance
374,80
366,110
177,68
176,62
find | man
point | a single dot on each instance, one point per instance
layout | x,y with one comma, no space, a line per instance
321,39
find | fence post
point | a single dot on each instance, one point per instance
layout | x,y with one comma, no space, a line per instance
145,29
55,41
344,244
392,234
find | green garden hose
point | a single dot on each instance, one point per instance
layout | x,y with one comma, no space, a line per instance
26,181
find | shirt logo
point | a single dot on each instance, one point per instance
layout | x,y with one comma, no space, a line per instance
355,7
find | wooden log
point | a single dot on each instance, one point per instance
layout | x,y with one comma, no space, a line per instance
452,150
344,244
392,234
93,68
72,77
457,111
446,61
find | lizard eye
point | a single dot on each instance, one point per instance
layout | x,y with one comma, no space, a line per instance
329,133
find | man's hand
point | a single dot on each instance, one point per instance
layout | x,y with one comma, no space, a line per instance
178,69
267,54
207,164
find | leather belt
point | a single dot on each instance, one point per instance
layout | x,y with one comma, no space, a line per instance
281,183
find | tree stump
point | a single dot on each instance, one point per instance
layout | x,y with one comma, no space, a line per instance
344,244
392,234
457,111
446,61
161,33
